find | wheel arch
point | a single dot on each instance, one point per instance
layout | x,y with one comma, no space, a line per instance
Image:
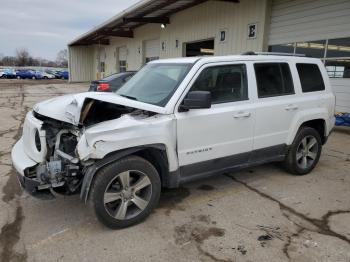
156,154
319,124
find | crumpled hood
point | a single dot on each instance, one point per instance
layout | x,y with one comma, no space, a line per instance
67,108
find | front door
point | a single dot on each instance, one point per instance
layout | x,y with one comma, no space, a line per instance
220,137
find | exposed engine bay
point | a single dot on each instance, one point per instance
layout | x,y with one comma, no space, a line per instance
63,171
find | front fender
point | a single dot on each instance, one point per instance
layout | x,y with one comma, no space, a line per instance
92,170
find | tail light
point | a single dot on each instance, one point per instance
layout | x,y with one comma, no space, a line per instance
103,87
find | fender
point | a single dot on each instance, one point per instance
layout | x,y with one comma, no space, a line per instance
306,116
93,169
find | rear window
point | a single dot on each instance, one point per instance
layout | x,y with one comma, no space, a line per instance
310,77
273,79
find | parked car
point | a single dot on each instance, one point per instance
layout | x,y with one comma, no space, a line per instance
56,73
28,74
111,83
45,75
2,73
175,121
9,73
62,75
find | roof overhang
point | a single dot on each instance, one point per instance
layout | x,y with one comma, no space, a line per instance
144,12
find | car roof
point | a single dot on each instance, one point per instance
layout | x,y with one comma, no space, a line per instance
232,58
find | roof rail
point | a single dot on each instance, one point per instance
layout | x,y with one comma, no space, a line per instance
272,53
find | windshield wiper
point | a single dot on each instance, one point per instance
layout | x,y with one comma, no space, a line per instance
129,97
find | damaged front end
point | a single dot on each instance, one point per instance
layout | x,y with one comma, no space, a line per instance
61,170
52,144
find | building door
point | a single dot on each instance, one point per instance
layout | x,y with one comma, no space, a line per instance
152,50
200,48
122,58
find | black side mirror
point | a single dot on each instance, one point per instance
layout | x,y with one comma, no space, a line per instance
196,100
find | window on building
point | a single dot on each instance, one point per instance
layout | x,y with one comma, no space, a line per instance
310,77
338,47
226,83
335,53
312,49
338,58
122,66
338,68
273,79
286,48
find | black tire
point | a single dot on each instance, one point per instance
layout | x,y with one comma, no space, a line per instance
108,179
301,161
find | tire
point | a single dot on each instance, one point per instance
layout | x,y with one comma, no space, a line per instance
34,78
304,153
112,193
18,77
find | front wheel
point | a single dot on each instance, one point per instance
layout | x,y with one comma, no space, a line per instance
305,152
125,192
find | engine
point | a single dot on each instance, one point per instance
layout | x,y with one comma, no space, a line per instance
62,170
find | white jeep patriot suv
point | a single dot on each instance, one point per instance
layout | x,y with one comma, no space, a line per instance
175,121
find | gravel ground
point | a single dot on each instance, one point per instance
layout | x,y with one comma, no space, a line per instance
259,214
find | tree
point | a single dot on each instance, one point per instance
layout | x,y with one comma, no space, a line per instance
9,61
23,56
62,58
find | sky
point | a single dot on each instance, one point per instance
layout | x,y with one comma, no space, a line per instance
45,27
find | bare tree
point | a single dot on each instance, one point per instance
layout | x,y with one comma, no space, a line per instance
62,58
9,61
23,56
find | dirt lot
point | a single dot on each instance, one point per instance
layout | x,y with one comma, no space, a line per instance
260,214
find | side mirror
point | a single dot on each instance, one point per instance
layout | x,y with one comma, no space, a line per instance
196,100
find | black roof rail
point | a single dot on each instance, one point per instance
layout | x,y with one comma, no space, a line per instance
249,53
272,53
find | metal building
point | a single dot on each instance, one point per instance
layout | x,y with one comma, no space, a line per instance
154,29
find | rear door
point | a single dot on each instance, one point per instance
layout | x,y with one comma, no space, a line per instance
276,106
220,137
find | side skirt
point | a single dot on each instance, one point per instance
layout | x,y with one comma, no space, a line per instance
233,163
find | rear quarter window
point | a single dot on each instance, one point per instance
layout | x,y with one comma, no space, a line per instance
310,77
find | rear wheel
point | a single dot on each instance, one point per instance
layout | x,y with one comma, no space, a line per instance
125,192
305,152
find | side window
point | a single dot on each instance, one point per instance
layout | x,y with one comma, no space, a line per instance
273,79
226,83
310,77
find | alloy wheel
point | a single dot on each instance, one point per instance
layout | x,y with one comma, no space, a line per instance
127,195
307,152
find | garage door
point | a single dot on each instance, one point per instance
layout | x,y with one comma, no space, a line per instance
305,20
122,58
320,29
152,50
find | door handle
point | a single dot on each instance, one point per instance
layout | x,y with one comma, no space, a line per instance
292,107
242,115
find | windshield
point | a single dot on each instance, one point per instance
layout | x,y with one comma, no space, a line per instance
155,83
